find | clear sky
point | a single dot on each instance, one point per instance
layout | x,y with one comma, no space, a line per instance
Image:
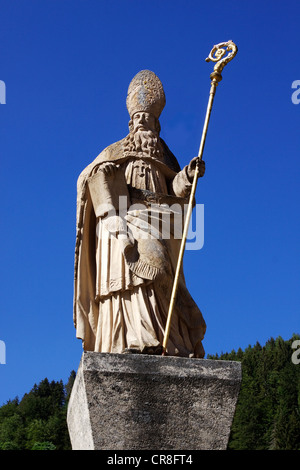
67,65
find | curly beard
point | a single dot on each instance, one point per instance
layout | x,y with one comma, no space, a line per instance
146,142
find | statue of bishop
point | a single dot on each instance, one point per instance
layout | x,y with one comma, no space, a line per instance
123,276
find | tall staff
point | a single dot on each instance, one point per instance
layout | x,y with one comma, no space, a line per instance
216,55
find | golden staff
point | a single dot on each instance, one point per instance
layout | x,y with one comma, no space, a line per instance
216,55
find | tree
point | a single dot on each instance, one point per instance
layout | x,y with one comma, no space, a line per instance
268,409
38,421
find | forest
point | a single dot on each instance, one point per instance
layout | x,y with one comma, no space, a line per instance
267,415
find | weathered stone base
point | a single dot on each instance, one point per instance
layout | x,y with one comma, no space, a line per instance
140,402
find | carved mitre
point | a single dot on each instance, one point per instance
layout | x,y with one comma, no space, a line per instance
145,94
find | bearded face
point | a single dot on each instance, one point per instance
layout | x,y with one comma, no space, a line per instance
144,134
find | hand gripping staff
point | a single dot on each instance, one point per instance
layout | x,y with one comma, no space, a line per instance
216,55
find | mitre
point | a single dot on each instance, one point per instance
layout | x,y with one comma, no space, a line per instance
145,94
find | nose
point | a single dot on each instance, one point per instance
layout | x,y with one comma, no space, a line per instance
141,118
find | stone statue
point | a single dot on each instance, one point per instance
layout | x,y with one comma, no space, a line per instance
123,275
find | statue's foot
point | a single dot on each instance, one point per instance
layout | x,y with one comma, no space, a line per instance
153,350
131,351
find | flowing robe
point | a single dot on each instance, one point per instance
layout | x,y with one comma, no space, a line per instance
119,303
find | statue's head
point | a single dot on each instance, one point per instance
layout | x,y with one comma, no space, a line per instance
145,95
145,102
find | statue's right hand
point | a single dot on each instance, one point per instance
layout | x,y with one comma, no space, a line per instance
108,168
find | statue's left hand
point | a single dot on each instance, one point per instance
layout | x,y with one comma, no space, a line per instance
192,165
109,168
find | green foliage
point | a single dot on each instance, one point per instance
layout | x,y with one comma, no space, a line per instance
9,445
38,421
267,415
43,446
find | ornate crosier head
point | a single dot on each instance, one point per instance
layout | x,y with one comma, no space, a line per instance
217,55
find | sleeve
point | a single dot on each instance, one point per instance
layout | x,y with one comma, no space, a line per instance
181,184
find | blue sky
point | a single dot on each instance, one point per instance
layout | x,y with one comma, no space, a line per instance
67,65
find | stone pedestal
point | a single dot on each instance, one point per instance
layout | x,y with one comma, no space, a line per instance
140,402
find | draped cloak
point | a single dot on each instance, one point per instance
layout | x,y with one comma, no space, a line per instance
121,302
